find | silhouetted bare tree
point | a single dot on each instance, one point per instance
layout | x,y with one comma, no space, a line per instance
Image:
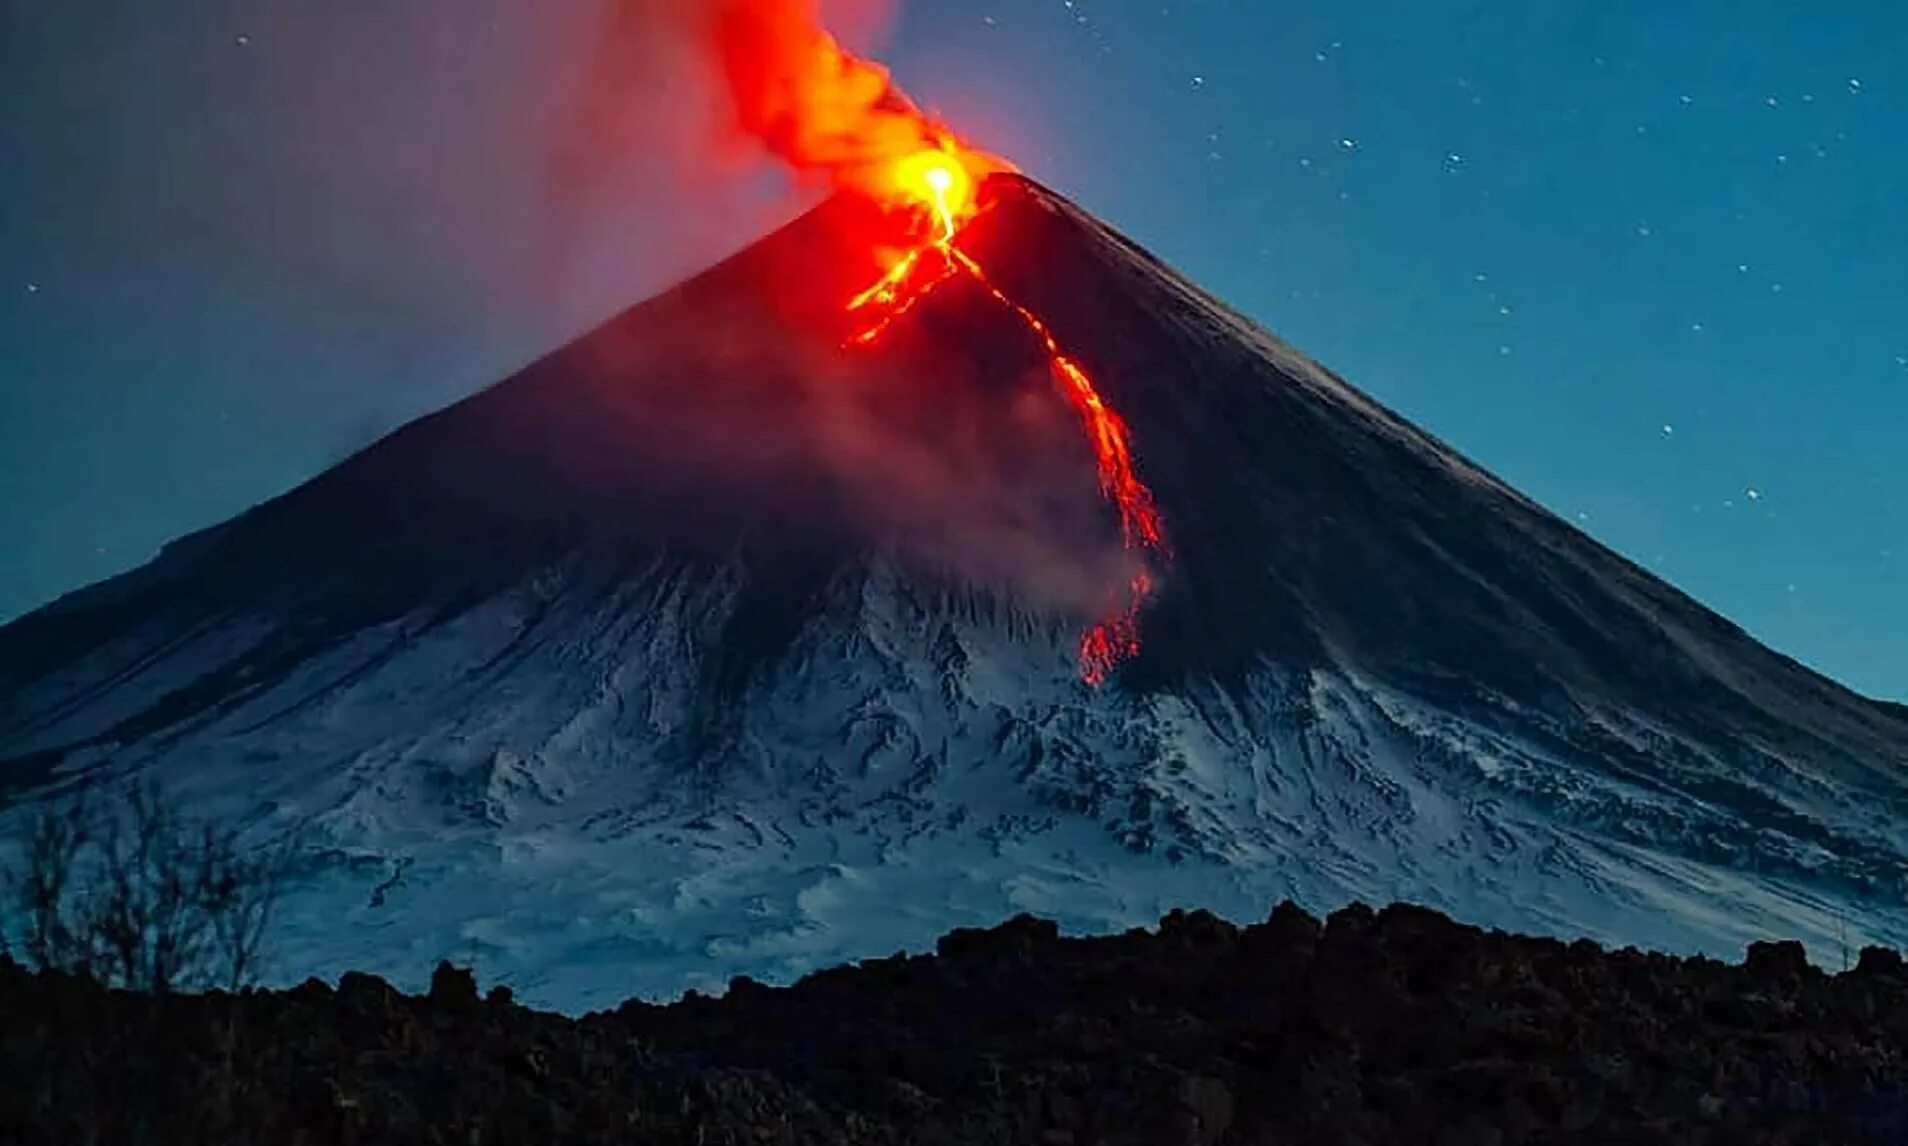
140,896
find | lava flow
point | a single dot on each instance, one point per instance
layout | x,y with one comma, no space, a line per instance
828,112
936,183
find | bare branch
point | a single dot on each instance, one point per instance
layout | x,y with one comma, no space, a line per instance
141,897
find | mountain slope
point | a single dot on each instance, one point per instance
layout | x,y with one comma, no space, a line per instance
705,646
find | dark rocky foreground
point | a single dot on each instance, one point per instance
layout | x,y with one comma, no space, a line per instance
1394,1026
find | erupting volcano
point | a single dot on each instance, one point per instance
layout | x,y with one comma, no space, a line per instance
842,116
742,635
936,192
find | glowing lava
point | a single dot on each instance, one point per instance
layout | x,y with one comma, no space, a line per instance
939,181
833,115
935,183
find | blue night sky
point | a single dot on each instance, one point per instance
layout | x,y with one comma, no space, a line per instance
1648,262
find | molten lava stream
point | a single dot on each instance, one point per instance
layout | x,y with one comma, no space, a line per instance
935,180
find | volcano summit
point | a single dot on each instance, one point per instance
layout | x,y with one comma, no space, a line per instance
714,643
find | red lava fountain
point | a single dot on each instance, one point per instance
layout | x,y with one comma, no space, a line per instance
821,108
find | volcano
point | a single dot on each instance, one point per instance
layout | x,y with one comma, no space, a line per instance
712,644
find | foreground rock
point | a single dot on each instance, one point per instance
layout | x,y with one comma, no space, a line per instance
1372,1027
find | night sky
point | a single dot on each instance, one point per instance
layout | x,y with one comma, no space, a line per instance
1648,262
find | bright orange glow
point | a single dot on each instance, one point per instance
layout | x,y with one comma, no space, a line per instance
831,114
897,293
937,180
934,182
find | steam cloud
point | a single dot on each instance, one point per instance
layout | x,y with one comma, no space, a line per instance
1000,492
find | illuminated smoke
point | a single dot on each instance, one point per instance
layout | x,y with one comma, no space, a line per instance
928,183
820,108
838,119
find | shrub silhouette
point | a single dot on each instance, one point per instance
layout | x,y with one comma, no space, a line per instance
139,896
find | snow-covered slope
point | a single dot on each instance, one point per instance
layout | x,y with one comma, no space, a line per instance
705,647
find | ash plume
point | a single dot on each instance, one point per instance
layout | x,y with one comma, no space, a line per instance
775,78
711,86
